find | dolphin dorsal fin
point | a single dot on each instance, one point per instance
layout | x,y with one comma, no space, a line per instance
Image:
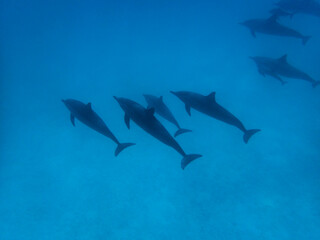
72,119
89,106
188,109
283,58
212,96
150,112
127,120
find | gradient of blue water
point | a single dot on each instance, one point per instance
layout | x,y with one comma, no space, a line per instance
61,182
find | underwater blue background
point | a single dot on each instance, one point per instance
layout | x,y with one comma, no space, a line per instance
63,182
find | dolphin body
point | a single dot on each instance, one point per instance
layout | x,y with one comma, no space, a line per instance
271,26
145,119
161,108
310,7
209,106
85,114
276,67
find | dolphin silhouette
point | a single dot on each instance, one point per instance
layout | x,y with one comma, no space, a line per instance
85,114
276,67
310,7
279,12
145,119
271,26
209,106
161,108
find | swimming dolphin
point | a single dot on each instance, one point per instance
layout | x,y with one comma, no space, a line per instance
310,7
281,13
209,106
145,119
276,67
85,114
271,26
160,108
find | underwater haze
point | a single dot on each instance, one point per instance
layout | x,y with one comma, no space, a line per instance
58,181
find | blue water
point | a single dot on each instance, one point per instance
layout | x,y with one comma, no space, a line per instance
63,182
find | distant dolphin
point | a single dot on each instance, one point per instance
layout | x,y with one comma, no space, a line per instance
209,106
310,7
281,13
145,119
85,114
271,26
160,108
276,67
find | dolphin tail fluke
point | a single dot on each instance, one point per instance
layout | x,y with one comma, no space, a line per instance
284,83
181,131
122,146
249,133
188,159
305,40
314,84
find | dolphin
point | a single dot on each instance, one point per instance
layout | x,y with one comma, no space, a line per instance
281,13
208,105
85,114
310,7
145,119
276,67
271,26
161,108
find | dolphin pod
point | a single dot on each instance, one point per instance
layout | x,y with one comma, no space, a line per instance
162,109
208,105
85,114
145,119
271,26
276,67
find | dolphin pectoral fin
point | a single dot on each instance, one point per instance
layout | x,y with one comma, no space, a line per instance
181,131
249,133
72,119
305,39
262,73
279,78
315,84
122,146
188,159
127,120
253,33
188,109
